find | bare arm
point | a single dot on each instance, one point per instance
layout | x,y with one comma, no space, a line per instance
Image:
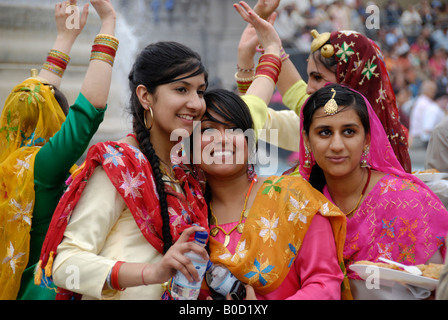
289,74
96,84
269,39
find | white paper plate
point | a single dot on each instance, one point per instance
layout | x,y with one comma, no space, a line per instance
428,177
390,275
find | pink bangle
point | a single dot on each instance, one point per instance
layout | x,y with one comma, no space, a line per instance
143,279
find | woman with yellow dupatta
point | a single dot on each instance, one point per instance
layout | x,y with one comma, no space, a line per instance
40,141
277,234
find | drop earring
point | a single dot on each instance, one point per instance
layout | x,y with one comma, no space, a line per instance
365,153
307,163
250,172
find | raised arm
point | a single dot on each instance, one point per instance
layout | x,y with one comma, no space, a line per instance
96,84
262,86
289,74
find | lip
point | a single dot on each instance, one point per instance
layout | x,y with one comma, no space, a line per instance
336,159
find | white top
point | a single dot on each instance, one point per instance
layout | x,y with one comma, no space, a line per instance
425,115
102,231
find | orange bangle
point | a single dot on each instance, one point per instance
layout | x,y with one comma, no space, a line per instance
114,276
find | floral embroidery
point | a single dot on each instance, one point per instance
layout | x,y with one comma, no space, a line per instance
35,93
261,270
408,228
368,70
272,187
388,228
294,252
409,185
23,165
295,207
345,52
388,185
113,156
131,184
407,253
31,138
24,214
268,228
11,257
385,250
9,128
240,251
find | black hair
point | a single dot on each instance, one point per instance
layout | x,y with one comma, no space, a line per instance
61,99
344,97
329,63
233,109
157,64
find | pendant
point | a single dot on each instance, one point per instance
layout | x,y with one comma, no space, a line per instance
226,240
214,231
240,227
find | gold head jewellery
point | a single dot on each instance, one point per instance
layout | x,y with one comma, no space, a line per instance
35,75
327,50
239,227
331,107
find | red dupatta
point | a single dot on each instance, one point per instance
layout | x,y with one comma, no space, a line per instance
131,174
361,66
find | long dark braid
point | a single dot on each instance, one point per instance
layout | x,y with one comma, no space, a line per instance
158,64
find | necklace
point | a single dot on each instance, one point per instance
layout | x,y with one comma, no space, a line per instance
168,171
239,227
362,193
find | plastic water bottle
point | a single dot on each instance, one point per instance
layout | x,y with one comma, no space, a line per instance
181,288
223,282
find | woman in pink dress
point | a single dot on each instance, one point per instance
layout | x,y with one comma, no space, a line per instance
345,154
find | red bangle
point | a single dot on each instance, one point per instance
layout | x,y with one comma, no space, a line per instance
103,48
114,276
58,62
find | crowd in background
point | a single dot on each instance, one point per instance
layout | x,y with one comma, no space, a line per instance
413,39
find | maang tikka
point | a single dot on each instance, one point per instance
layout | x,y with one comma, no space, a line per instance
331,107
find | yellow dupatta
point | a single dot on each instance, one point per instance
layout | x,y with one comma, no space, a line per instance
274,231
30,117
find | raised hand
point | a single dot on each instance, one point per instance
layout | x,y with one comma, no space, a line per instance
265,8
69,21
267,36
107,14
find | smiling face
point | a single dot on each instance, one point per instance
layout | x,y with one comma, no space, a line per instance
338,141
224,148
175,105
318,74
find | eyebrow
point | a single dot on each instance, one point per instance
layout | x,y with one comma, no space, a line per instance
187,83
348,125
315,73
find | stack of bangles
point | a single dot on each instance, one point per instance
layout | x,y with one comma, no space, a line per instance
112,277
56,62
269,65
104,48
